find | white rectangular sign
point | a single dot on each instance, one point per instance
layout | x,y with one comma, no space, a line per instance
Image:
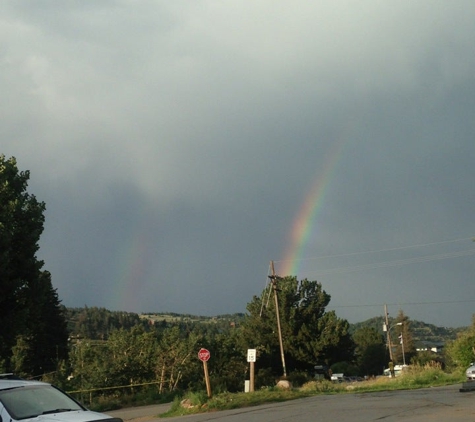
251,355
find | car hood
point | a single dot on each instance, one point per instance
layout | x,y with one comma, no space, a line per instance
76,416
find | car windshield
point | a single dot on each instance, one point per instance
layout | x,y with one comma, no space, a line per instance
30,401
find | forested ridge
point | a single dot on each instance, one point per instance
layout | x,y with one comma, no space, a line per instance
421,331
97,323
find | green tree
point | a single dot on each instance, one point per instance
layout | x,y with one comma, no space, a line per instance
27,300
177,363
310,334
132,356
128,357
370,351
460,352
47,329
20,354
90,362
228,364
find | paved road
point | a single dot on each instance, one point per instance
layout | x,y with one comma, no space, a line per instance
441,404
145,413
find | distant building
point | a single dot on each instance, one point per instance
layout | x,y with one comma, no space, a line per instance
425,346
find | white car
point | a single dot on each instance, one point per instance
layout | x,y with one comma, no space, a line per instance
470,373
22,400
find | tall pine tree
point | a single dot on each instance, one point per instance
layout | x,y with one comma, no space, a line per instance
30,313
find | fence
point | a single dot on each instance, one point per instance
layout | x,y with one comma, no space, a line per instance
89,396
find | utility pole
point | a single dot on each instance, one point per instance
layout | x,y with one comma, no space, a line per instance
274,279
388,339
402,345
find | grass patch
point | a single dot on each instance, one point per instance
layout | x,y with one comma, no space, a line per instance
199,402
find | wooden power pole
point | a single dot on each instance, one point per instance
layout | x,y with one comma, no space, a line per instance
274,279
388,335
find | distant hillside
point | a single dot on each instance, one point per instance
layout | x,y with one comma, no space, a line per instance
170,317
422,332
97,323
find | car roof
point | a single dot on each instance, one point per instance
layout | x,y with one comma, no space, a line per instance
9,376
12,383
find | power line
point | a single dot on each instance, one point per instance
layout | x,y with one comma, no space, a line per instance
445,302
379,250
396,262
399,262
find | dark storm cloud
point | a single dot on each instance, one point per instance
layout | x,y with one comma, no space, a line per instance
174,144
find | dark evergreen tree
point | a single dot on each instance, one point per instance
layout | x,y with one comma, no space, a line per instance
311,335
47,329
370,351
26,294
21,223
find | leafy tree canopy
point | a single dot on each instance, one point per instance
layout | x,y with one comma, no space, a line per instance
310,334
461,352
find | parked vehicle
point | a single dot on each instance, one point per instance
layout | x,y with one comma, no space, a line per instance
22,400
338,377
397,370
470,372
322,372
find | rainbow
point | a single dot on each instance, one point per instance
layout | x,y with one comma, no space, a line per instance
132,256
302,226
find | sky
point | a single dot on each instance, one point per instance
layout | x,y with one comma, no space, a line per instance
181,147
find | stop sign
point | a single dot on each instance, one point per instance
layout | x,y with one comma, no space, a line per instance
204,355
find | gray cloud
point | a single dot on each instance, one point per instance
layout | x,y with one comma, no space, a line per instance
174,144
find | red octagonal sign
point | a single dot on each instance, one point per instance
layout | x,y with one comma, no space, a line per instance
204,355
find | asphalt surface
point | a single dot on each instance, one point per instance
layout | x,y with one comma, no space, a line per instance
142,413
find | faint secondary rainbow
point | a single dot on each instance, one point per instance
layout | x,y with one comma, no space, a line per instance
132,277
132,257
302,226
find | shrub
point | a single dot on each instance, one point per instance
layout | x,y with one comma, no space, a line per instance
297,379
323,386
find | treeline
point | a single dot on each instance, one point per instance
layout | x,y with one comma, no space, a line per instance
160,350
98,323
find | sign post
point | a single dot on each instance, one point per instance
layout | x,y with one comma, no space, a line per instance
203,356
251,358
